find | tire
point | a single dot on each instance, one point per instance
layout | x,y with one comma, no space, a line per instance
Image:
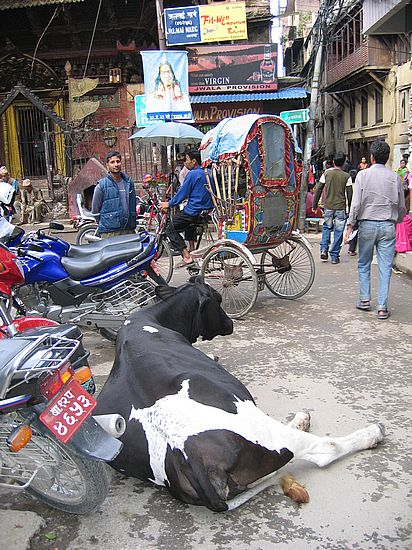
289,269
69,482
164,260
85,231
232,274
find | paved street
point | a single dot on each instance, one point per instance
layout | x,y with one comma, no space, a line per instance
317,353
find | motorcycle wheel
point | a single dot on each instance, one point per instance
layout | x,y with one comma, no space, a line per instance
84,232
67,481
147,296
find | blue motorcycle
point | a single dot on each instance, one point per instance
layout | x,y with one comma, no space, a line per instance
95,285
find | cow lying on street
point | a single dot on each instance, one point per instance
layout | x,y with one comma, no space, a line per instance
192,426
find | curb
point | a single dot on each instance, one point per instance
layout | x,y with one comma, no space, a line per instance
403,261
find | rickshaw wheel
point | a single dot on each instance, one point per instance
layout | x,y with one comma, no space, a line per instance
232,274
289,269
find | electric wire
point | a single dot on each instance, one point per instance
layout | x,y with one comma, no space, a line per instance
41,37
92,39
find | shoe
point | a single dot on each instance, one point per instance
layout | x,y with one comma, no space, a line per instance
351,253
383,314
364,305
334,261
324,256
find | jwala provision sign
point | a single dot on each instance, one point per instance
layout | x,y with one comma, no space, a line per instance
204,114
232,68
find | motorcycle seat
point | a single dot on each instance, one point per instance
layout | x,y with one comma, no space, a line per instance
83,267
77,251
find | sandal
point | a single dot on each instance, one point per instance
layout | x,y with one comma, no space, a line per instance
364,305
351,253
383,314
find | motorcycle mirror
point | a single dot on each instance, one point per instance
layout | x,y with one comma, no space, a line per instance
34,247
56,226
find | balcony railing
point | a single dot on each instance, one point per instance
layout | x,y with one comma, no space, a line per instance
369,53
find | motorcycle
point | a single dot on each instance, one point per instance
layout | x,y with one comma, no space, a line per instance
50,443
96,285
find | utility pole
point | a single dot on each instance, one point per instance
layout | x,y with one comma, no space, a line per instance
310,130
162,46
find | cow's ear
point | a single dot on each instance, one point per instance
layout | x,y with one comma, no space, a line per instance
165,291
197,279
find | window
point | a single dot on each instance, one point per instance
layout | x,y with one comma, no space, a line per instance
364,110
274,147
403,105
352,112
339,127
378,106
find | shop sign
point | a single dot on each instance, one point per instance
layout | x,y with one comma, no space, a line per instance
233,68
206,23
141,112
215,113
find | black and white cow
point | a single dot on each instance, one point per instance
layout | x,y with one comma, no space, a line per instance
192,426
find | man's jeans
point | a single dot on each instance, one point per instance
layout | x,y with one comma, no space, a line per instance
333,220
382,235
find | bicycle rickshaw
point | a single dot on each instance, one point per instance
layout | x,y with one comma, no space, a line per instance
250,164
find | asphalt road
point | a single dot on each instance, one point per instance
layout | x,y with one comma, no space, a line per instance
317,353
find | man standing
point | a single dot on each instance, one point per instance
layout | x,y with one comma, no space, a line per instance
4,176
194,189
334,213
114,200
378,204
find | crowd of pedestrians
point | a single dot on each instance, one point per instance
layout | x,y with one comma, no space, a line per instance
372,203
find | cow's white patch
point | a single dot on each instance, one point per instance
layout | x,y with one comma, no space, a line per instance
127,322
147,328
174,418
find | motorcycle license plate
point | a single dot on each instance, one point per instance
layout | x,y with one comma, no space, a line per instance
68,410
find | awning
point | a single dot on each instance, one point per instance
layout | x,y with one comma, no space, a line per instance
289,93
13,4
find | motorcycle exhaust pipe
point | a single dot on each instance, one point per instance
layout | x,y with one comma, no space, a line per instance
92,239
113,424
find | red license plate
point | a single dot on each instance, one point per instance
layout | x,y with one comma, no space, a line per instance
68,410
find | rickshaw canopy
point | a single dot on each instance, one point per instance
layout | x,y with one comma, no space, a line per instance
230,136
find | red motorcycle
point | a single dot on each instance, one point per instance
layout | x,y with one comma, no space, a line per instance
51,445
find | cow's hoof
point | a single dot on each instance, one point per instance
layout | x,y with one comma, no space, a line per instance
294,490
380,429
301,421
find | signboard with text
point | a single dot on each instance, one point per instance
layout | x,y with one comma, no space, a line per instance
206,23
141,112
298,116
212,113
246,67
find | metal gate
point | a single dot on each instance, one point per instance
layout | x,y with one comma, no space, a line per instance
30,125
82,144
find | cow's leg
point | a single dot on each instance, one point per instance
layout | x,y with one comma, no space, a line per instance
324,450
301,421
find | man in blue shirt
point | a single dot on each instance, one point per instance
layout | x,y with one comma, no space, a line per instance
194,189
114,200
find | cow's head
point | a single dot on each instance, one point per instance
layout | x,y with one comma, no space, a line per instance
195,310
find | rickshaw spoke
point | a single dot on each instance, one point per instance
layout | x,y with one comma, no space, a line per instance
289,269
232,274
